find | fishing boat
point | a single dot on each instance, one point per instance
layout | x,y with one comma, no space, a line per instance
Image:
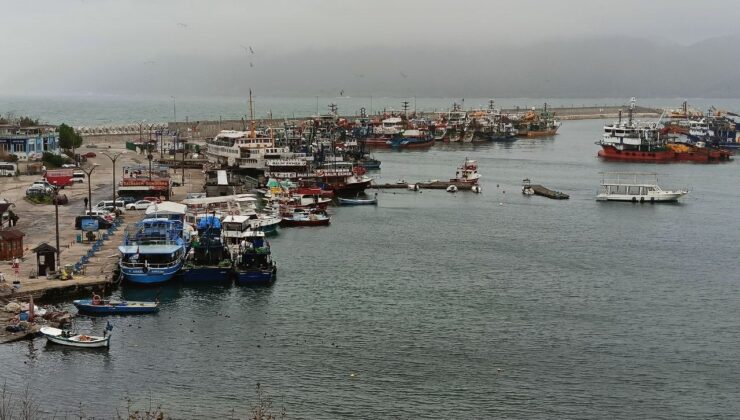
452,189
208,259
301,217
68,338
358,201
412,139
632,141
527,187
467,173
99,306
253,264
636,187
153,251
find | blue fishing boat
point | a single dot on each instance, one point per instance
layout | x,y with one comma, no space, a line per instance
153,251
253,265
99,306
208,259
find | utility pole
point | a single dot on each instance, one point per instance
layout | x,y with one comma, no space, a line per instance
56,224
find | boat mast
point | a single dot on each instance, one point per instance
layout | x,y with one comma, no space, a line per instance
251,117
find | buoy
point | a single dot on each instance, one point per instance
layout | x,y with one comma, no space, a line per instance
352,375
500,204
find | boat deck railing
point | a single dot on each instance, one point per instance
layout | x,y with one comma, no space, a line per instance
129,264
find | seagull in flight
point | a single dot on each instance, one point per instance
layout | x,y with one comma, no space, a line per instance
403,75
247,50
182,25
150,62
251,64
341,92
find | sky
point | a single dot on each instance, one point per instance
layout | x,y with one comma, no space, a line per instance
107,46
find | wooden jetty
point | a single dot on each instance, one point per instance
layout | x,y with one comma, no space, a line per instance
546,192
431,185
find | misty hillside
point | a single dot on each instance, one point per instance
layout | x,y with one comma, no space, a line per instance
604,67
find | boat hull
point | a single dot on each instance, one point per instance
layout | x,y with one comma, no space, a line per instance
255,277
351,188
299,223
698,155
206,274
125,308
662,198
151,276
357,202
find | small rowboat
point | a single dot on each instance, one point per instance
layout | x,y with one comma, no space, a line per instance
358,201
66,338
113,307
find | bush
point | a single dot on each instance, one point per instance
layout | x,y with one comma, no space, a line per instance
54,160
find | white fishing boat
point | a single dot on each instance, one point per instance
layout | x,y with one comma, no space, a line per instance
67,338
452,189
636,187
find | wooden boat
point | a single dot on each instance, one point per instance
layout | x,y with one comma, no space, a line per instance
299,217
358,201
98,306
67,338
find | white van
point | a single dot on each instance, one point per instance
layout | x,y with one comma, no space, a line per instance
108,205
8,169
78,176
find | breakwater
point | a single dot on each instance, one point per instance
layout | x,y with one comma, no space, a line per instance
208,128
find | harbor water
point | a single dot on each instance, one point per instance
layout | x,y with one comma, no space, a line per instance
440,305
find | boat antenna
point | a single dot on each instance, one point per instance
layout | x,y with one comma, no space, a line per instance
632,108
251,116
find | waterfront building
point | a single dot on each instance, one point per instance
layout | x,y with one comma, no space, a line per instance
28,143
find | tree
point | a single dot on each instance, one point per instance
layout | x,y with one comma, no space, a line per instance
68,138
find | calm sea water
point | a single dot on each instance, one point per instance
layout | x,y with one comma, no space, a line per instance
438,305
95,110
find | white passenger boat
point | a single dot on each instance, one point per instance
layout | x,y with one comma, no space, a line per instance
636,187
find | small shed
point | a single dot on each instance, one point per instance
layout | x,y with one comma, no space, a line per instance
11,244
45,258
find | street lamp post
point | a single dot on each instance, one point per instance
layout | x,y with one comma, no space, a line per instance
113,159
89,185
56,224
150,157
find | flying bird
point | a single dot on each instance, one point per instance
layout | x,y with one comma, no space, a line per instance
182,25
403,74
341,92
149,62
251,50
251,64
247,50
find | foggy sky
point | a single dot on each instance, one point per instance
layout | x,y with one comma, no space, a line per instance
422,48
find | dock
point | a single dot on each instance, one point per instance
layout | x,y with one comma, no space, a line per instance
546,192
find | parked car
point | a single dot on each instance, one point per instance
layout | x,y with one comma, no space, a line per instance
89,155
44,183
139,205
153,199
69,166
37,190
108,205
60,199
127,199
97,212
